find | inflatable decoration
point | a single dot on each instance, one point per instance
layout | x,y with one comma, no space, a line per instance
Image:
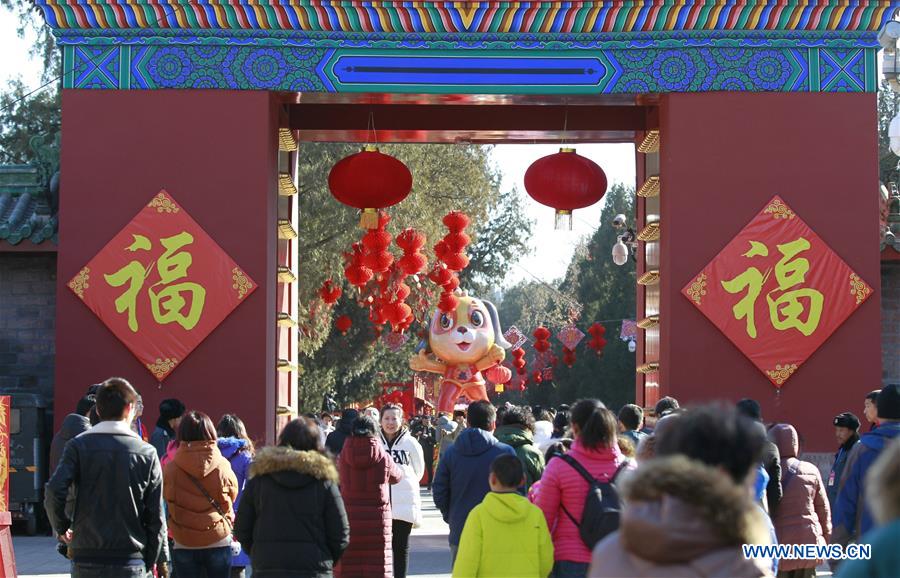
460,346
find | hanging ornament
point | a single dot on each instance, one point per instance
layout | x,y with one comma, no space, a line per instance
356,273
395,341
413,261
330,293
568,357
541,339
498,374
519,362
370,180
448,303
570,336
451,249
597,342
537,377
548,374
343,324
515,337
376,241
565,181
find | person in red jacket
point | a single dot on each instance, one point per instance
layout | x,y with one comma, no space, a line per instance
366,473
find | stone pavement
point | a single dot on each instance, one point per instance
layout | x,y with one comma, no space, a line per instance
36,557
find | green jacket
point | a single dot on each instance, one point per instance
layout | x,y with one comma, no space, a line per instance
504,536
885,561
522,441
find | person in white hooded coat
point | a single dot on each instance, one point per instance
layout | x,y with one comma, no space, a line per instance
406,504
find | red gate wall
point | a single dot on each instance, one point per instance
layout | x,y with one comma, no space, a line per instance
723,156
216,152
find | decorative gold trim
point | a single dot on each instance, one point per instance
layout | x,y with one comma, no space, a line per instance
285,275
650,232
285,320
162,367
286,140
650,188
286,230
698,289
286,366
286,186
781,373
779,210
650,144
649,322
79,283
241,283
163,203
284,410
651,277
651,367
859,288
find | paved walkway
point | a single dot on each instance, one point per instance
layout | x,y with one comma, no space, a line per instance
36,557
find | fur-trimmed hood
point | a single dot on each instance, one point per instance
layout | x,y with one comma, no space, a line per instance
679,510
290,467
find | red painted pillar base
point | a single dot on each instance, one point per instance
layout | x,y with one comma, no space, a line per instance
7,554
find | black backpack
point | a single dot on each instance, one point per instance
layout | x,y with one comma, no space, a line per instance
602,505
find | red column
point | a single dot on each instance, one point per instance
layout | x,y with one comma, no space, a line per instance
724,155
216,152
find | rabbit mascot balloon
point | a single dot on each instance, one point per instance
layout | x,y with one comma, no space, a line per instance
460,346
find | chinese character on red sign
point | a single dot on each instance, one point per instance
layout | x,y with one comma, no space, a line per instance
777,291
162,285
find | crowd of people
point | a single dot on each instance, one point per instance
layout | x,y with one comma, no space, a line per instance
574,491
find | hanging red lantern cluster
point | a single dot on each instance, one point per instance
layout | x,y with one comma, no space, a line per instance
356,273
376,242
568,356
519,360
537,377
329,293
451,257
396,311
541,339
413,261
597,343
370,180
343,324
565,181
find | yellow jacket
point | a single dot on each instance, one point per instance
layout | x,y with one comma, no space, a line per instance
504,536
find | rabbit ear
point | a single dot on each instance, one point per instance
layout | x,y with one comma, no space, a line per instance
495,321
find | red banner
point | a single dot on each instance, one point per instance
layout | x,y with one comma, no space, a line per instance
5,417
777,291
162,285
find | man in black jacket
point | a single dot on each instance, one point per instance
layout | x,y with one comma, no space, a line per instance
335,440
118,526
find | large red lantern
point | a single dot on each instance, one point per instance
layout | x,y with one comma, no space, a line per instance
565,181
369,180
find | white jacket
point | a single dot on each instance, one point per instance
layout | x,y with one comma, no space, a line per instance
406,504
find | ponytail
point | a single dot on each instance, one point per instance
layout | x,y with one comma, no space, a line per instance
596,424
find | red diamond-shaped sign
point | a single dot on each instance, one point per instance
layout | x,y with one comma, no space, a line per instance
161,285
777,291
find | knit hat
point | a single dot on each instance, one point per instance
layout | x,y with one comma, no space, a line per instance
889,402
847,420
171,408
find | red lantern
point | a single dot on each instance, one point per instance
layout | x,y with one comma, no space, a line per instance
565,181
541,339
597,342
343,324
568,356
370,180
498,374
329,293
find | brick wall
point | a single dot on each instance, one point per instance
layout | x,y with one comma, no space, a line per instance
890,321
27,314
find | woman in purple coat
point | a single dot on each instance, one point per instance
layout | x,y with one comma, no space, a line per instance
237,448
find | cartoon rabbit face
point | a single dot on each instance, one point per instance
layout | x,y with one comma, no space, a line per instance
466,335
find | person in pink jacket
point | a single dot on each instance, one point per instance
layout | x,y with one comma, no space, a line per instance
803,516
563,490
